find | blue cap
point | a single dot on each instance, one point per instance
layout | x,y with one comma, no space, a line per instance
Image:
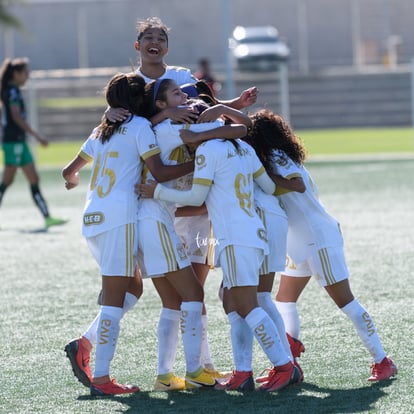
190,89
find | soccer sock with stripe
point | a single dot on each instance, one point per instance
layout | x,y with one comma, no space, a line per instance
365,328
191,330
168,328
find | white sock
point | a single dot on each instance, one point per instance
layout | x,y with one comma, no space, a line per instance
241,342
290,315
130,301
266,334
365,328
168,327
267,304
108,333
206,360
191,330
90,334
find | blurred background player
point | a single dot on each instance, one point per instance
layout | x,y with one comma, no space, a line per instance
205,74
13,74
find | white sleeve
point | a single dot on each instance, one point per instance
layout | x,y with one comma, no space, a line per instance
194,197
265,182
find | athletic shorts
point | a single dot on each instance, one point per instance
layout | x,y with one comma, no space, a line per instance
115,250
196,235
276,228
240,265
160,250
17,154
327,266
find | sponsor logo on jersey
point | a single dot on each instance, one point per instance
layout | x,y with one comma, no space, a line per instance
93,218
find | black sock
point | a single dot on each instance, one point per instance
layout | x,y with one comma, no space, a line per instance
39,200
3,188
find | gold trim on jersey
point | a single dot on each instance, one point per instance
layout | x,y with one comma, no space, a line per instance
259,172
326,267
282,190
167,246
179,154
150,153
85,156
203,181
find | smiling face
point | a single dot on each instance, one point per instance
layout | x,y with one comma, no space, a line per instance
172,96
152,45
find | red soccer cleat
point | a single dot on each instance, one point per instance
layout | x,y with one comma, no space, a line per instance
112,388
383,370
296,346
78,352
280,377
238,381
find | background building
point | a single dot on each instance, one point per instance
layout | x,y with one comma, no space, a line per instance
62,34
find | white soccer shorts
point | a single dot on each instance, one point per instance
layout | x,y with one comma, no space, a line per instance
327,266
160,250
115,250
240,265
276,228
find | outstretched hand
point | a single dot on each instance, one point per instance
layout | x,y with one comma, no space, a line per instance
248,97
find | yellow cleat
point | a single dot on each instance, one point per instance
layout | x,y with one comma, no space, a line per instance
199,379
218,374
169,382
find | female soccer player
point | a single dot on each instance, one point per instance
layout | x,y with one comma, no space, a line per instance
223,179
13,74
152,45
153,215
314,240
109,221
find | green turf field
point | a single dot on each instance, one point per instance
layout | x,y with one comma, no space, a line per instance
338,142
50,284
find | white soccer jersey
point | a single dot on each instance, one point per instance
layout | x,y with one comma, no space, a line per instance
268,202
179,74
173,152
117,167
229,172
310,225
275,221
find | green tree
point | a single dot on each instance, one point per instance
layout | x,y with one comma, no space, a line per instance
6,18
